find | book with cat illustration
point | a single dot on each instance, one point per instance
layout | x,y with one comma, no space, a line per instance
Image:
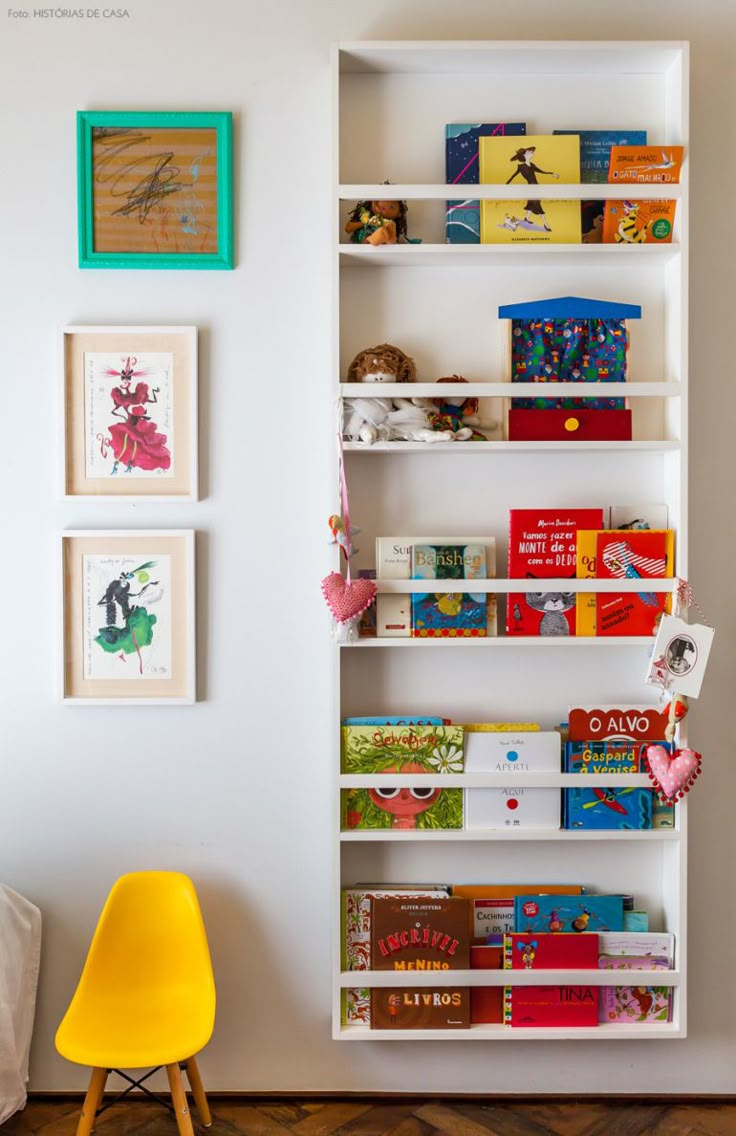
595,157
543,544
462,216
448,614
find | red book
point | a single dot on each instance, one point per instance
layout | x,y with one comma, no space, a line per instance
547,951
600,724
565,1006
486,1002
626,556
543,544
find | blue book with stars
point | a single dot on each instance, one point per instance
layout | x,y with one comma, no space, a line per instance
462,217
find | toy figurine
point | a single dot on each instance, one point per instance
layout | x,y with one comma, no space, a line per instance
371,419
377,223
456,414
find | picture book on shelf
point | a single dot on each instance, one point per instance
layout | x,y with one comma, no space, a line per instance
595,150
512,807
492,905
568,913
563,1006
634,222
413,935
357,903
540,159
627,1004
645,164
462,216
400,750
394,562
486,1002
546,951
543,543
634,554
606,807
448,614
655,944
603,723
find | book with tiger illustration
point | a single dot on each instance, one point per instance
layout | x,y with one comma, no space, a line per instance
543,543
638,222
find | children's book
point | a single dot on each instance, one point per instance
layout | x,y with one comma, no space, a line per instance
606,807
486,1002
638,222
393,562
420,935
636,554
492,905
626,1004
595,150
397,750
408,720
546,951
367,624
551,1006
604,723
448,614
645,164
356,940
462,217
540,159
558,914
543,543
516,807
637,921
655,944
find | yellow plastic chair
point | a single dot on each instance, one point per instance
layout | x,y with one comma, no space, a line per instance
146,996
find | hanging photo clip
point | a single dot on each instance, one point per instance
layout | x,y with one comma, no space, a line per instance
681,649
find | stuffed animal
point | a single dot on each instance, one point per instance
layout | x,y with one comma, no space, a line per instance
372,420
456,414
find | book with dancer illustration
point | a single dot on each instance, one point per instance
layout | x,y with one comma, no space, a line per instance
541,159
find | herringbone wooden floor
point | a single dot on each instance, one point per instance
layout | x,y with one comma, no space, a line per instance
399,1117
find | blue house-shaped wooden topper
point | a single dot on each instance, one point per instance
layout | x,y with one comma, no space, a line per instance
569,339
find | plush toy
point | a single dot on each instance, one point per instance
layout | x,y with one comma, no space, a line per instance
382,364
456,415
377,223
372,420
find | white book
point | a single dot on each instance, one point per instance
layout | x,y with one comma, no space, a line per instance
512,808
393,562
537,751
654,943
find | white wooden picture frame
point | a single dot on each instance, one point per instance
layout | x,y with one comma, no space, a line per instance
127,611
128,399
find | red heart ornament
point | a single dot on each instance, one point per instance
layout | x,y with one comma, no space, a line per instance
347,599
672,773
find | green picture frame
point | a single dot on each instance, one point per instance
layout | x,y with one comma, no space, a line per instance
152,200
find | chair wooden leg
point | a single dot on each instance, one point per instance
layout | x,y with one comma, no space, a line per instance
96,1088
200,1097
179,1101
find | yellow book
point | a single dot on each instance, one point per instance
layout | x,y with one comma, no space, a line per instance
585,602
537,159
499,727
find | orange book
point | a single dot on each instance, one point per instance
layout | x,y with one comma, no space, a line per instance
638,222
645,164
492,905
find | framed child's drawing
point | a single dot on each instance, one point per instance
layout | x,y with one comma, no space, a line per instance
154,189
128,630
129,401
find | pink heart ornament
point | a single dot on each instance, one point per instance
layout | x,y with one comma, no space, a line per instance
672,773
347,599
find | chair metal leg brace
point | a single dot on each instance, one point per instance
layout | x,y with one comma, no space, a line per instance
136,1085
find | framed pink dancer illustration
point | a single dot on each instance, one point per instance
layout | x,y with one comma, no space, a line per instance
129,397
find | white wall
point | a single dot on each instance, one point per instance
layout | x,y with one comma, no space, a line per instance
235,790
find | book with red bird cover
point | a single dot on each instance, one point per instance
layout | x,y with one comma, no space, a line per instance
411,934
626,556
543,543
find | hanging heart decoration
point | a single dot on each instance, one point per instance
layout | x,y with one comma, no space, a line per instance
673,774
347,599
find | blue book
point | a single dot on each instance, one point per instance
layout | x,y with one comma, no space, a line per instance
448,614
462,217
568,914
595,150
606,807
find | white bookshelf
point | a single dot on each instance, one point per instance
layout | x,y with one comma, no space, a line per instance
439,303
